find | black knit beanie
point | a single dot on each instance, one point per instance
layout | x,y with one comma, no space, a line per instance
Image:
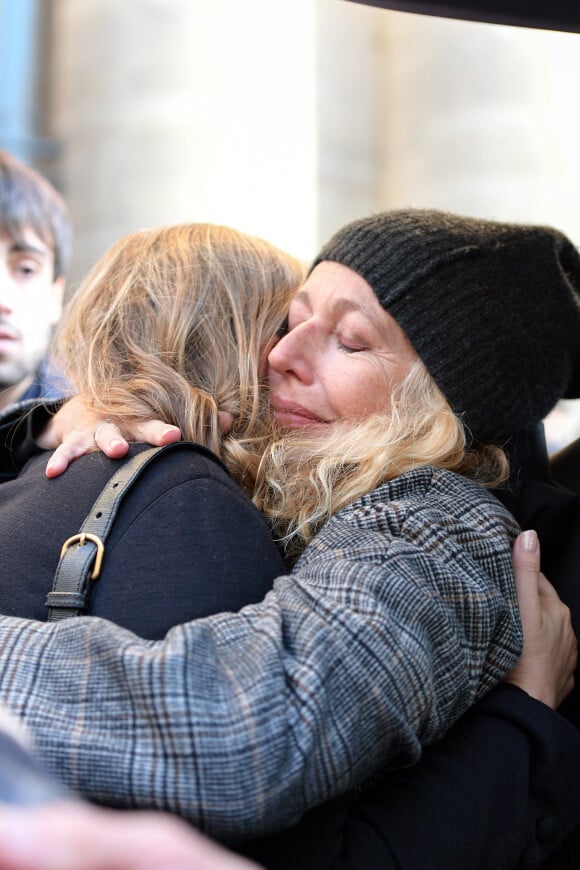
492,309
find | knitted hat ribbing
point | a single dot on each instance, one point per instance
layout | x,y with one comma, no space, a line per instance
492,309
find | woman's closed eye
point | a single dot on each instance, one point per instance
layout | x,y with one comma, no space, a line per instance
351,343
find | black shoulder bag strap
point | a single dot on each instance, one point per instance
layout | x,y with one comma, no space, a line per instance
81,556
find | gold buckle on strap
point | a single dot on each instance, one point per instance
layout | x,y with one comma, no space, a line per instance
82,538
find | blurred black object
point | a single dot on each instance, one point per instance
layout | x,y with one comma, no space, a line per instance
545,14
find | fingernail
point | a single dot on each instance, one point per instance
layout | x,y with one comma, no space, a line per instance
529,541
116,442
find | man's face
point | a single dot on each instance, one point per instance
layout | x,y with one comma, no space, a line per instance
30,305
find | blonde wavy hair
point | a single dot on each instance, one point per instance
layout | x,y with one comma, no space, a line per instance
306,477
174,323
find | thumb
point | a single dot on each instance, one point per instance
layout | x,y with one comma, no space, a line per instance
526,562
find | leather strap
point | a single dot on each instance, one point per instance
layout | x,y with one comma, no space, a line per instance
82,554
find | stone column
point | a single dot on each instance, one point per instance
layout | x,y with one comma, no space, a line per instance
176,111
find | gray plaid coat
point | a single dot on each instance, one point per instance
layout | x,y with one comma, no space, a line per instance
398,616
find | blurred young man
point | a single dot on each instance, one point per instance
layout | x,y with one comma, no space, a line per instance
35,233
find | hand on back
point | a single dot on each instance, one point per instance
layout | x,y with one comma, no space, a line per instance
546,668
76,430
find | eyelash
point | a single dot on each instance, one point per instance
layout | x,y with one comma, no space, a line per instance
350,348
284,329
346,348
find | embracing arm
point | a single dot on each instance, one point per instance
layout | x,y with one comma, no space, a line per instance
242,721
433,819
498,791
507,737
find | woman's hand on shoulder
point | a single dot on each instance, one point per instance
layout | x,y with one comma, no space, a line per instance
76,429
548,661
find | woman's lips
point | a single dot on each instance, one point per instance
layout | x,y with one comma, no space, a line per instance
291,415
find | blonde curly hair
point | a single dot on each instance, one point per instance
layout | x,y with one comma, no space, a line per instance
305,477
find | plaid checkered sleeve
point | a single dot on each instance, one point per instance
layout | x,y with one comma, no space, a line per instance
396,619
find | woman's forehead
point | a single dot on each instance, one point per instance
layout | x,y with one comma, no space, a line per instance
334,281
338,290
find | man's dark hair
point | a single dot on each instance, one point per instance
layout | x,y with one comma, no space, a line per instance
28,200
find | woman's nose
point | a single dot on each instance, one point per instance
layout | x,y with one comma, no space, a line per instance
290,355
